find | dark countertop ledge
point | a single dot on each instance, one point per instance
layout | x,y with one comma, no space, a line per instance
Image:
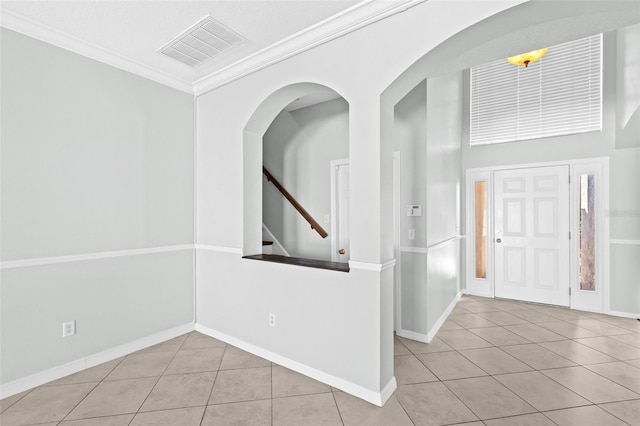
298,261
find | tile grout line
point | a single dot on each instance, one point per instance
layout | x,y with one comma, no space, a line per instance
333,396
611,380
79,402
606,411
570,390
213,385
160,377
534,369
497,381
444,384
27,392
395,338
91,391
564,338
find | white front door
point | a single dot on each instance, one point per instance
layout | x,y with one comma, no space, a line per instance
531,241
340,211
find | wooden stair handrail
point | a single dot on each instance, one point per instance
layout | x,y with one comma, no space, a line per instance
314,225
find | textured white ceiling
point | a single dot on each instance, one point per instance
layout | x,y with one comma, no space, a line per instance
136,29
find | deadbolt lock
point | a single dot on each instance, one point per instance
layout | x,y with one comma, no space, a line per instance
341,251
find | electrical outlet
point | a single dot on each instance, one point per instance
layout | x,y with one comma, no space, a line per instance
412,234
68,328
272,320
327,218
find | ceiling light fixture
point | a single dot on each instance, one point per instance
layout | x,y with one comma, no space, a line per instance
527,58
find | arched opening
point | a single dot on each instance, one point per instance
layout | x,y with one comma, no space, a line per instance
437,84
297,142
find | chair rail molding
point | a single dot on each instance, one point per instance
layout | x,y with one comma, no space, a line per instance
37,261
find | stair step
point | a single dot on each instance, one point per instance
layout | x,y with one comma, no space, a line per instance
267,243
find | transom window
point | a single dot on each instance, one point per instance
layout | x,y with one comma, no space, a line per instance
560,94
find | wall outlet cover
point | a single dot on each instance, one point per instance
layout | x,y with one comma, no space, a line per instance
68,328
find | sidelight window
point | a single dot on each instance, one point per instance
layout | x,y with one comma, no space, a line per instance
587,233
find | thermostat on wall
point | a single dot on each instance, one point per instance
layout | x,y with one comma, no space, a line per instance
414,210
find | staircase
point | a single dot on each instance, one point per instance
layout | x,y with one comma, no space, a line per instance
267,247
270,244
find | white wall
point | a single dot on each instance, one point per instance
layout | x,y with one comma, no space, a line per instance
94,159
298,149
358,66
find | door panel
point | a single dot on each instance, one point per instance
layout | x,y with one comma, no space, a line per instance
515,266
545,267
545,213
514,212
531,242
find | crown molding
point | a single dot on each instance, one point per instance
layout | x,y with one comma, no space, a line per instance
73,44
349,20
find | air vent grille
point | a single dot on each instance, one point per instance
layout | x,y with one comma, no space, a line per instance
201,42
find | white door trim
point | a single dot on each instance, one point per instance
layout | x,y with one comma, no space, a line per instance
397,277
598,166
334,205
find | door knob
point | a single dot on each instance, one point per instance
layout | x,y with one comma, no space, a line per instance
341,251
498,240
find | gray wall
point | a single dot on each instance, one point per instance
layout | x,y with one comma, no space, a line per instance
410,139
298,148
427,133
94,159
619,140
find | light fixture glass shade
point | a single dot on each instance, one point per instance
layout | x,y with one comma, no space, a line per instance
527,58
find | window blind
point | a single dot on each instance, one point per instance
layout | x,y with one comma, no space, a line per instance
560,94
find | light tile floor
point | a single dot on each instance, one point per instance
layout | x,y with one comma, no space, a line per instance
494,362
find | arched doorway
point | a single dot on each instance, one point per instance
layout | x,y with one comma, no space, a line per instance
291,140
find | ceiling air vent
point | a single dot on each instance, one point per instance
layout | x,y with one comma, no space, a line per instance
201,42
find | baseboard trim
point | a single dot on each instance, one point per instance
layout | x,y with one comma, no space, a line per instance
436,327
419,337
376,398
387,391
427,338
623,314
54,373
472,293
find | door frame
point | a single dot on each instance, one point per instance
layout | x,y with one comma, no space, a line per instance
397,209
598,301
333,175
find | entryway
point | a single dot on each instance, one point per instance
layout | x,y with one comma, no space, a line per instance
536,233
